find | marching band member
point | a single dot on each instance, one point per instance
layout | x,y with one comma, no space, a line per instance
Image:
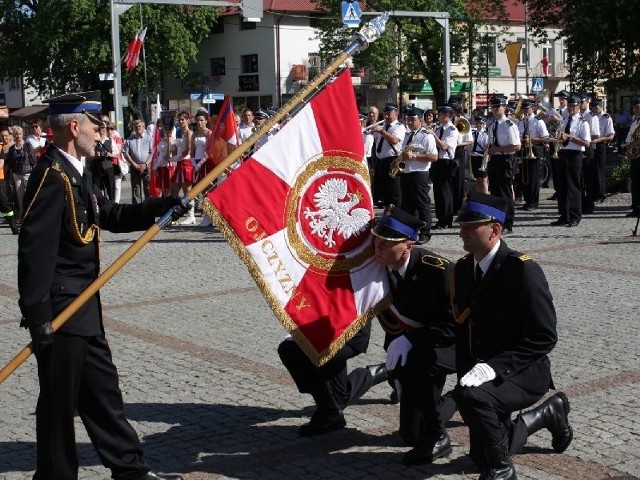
597,189
533,130
388,141
420,151
506,142
633,142
575,136
443,170
480,143
588,169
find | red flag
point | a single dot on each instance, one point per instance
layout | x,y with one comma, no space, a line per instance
154,188
299,214
224,128
133,51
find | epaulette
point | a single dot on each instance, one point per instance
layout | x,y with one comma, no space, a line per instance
606,115
433,261
525,257
509,122
452,127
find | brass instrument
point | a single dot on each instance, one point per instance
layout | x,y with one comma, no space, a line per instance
518,111
462,125
544,104
633,153
556,145
366,129
398,165
485,157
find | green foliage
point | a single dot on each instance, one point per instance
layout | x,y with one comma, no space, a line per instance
418,42
602,39
620,172
61,45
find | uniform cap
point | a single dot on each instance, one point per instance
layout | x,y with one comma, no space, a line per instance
481,208
574,100
480,118
635,102
412,111
82,102
445,109
595,102
261,114
562,94
454,100
527,104
497,101
397,225
362,117
390,107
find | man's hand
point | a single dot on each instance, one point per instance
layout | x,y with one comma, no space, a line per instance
479,374
398,350
41,337
159,206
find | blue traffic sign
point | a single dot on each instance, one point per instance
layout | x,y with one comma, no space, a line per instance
537,83
351,14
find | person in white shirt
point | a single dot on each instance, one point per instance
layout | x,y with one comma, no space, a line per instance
504,144
480,144
246,127
419,147
595,182
35,138
443,170
388,143
575,136
533,130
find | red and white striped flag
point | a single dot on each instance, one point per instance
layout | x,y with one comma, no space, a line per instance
225,127
132,56
299,213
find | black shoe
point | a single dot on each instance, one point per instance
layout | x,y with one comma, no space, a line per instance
439,226
587,211
378,373
553,414
558,223
524,207
428,450
393,397
530,207
575,223
323,421
423,238
155,476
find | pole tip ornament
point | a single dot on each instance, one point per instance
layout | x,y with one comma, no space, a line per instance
370,32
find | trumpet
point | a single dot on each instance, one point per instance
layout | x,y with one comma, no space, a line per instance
485,157
367,129
398,165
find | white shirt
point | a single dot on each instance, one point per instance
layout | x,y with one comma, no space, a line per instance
449,135
580,129
537,127
422,142
367,139
485,263
36,142
478,146
396,129
594,123
507,132
606,124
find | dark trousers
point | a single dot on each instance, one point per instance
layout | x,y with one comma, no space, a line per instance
346,388
569,173
5,205
78,374
415,197
442,191
139,185
487,412
599,160
500,173
422,379
530,178
104,176
635,186
588,180
391,191
457,181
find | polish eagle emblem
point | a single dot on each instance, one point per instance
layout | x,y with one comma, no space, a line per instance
336,212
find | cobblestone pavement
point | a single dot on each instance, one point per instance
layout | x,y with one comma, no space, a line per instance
195,345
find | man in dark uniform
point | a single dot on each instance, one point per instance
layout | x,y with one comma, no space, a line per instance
507,327
58,257
330,386
420,334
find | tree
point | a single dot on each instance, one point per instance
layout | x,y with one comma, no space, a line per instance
418,41
602,39
62,45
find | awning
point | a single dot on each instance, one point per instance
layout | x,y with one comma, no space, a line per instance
425,87
29,111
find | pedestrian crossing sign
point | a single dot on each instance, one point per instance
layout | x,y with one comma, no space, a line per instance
537,84
351,14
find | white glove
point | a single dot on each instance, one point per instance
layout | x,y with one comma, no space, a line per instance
398,349
478,375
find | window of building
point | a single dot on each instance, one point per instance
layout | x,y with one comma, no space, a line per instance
249,63
218,66
488,50
247,25
547,58
218,27
522,59
565,54
14,83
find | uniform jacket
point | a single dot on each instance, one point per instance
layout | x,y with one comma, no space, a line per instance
510,322
421,300
53,266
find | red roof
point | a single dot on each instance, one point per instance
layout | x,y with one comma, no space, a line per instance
290,5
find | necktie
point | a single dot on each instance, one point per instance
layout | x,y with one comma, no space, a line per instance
479,273
441,133
567,130
475,141
379,147
410,139
495,134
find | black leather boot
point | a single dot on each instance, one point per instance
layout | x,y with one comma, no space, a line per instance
327,417
378,372
428,449
498,463
552,414
155,476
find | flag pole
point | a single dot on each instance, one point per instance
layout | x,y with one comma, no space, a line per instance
360,40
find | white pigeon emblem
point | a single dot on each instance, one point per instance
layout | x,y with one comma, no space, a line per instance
334,215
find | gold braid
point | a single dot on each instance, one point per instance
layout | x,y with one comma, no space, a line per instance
92,229
460,318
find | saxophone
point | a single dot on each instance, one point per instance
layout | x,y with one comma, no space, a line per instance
633,153
398,165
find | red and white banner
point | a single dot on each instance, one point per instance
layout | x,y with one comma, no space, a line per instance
299,214
132,56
